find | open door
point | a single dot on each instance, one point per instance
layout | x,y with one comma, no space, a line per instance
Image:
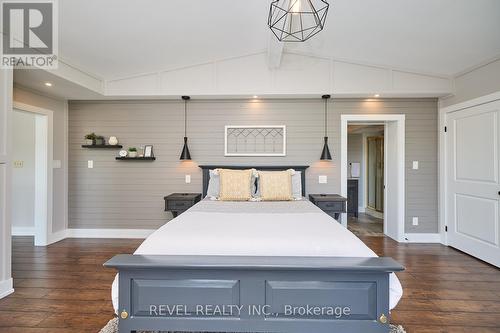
392,178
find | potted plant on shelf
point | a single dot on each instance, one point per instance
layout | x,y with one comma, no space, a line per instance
90,139
99,140
132,152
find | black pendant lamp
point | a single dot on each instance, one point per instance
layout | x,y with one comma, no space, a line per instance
185,155
325,154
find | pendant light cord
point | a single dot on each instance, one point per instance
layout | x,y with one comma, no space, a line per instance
326,116
185,118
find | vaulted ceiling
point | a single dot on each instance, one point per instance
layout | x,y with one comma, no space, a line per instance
119,38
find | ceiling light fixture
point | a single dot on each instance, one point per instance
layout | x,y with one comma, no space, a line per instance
297,20
325,154
185,155
376,95
255,96
48,84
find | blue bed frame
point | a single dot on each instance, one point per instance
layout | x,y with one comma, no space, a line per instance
253,294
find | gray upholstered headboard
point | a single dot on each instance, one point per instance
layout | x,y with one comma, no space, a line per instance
206,172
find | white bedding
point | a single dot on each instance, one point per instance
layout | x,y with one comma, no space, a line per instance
287,228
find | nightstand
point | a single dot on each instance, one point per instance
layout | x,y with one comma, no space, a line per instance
177,203
330,203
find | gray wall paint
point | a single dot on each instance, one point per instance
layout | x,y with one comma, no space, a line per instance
23,179
60,109
118,194
479,82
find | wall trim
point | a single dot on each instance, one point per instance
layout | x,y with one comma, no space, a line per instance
6,287
423,238
108,233
23,231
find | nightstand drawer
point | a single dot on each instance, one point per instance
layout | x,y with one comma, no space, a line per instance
179,205
331,206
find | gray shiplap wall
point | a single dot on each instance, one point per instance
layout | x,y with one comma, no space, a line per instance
118,194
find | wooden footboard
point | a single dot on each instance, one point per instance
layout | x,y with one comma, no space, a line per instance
253,294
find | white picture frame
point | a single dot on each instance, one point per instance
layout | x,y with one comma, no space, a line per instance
148,151
231,128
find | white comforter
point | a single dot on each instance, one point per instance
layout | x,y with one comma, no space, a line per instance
291,228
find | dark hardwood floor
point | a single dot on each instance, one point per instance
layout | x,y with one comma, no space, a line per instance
64,288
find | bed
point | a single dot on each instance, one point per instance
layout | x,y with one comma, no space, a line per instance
282,266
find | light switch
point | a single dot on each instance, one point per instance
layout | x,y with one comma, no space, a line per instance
18,164
415,165
188,179
90,164
323,179
415,220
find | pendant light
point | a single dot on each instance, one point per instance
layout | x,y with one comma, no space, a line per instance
325,154
185,155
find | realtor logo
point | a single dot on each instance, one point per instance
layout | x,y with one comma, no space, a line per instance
29,34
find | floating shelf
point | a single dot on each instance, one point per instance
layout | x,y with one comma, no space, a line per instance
103,146
136,158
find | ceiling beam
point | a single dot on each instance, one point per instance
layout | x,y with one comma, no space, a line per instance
274,51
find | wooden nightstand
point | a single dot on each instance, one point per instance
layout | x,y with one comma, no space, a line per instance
330,203
177,203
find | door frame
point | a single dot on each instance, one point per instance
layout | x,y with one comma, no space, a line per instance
345,119
442,152
44,138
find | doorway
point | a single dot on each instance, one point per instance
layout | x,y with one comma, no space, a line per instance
365,194
386,196
32,173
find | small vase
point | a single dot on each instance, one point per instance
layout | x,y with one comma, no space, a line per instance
132,154
113,141
99,142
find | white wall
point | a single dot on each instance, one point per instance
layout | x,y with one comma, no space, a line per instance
355,155
476,83
60,109
23,178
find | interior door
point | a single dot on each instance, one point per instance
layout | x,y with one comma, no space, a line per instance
473,155
392,180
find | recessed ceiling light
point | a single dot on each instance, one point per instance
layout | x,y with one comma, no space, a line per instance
376,95
48,84
255,96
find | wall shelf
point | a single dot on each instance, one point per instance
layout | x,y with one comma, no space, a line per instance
103,146
136,158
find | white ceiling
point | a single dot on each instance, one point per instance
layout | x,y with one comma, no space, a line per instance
118,38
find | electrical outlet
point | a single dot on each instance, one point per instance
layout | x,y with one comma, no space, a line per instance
90,164
323,179
18,164
415,165
415,220
188,179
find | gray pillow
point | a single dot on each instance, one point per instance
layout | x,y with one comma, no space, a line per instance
213,189
297,185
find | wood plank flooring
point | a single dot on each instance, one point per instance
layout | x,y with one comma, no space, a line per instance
63,288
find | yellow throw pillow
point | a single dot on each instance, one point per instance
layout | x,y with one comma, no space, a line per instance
275,185
235,185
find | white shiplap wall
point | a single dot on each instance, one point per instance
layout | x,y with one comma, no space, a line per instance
118,194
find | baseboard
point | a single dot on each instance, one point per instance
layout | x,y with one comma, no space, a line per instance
23,231
422,238
109,233
58,236
6,288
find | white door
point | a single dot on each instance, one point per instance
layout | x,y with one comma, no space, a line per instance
473,155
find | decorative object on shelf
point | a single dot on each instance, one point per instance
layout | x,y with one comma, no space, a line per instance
113,141
123,153
132,152
148,151
325,154
90,139
185,155
255,140
99,140
297,20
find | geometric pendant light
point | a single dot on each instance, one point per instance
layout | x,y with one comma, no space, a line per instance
325,154
297,20
185,155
